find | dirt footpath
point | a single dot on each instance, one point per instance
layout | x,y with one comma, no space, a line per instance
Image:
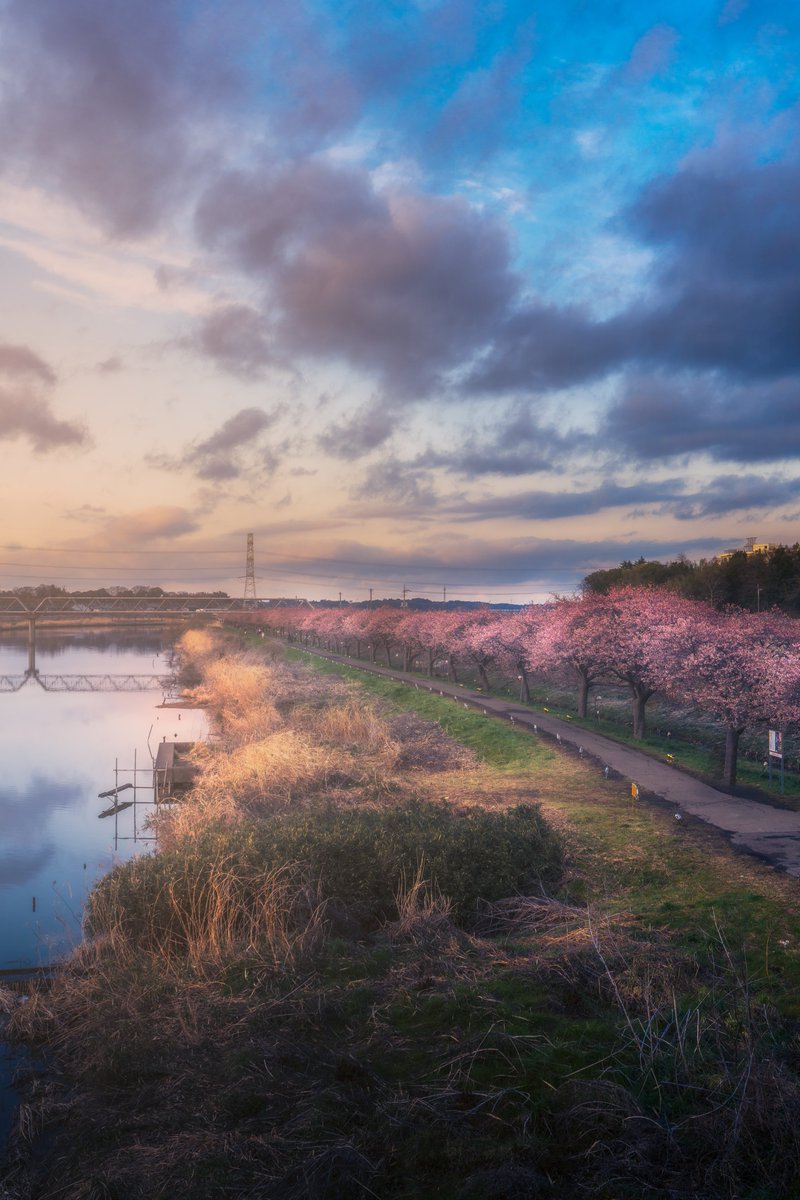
771,833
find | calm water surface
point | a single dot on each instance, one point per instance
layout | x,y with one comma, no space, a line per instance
57,752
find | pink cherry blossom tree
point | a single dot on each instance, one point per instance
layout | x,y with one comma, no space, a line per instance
436,632
574,633
648,631
744,670
479,642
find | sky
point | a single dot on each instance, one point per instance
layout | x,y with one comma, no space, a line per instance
468,298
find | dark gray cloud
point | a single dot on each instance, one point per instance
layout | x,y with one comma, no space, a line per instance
354,436
552,506
404,286
724,296
743,494
232,450
515,443
101,102
541,347
724,495
658,417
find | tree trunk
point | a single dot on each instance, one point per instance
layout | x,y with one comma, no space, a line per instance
484,678
430,664
731,756
583,695
640,698
452,668
525,686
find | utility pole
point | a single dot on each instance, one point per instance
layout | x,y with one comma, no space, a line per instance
444,594
250,571
370,597
405,593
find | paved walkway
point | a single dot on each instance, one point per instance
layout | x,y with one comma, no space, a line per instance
771,833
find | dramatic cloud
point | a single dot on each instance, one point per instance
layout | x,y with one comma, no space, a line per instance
657,418
556,256
404,286
101,102
725,290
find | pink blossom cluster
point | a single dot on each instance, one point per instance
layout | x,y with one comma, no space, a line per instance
741,668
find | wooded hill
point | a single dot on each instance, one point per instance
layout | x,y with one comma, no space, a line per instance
752,581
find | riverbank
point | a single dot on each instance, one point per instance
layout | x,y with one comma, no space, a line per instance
391,949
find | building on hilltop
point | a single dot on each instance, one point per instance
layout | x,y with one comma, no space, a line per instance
751,546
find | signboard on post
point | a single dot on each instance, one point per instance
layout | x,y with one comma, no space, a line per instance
775,744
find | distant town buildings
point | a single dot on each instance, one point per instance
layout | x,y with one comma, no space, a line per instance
751,546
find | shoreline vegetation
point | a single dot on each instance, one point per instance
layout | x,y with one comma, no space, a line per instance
387,949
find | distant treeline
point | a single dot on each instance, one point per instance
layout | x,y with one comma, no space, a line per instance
752,581
43,591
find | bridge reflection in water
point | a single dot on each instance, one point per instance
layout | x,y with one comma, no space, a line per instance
109,610
88,683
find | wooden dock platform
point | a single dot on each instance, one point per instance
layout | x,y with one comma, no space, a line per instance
172,772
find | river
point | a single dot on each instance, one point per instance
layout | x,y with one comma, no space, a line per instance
58,751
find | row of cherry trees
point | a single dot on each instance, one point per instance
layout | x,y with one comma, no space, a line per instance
741,668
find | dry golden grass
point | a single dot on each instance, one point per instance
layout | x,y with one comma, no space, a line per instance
239,695
198,644
276,769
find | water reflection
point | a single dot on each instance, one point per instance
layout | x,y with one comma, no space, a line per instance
58,750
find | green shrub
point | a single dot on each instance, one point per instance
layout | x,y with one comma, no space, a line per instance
357,860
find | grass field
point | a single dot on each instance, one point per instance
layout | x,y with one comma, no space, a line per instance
691,740
618,1021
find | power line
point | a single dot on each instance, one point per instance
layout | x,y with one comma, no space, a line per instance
346,562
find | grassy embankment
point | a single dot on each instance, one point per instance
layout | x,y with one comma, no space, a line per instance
364,965
689,739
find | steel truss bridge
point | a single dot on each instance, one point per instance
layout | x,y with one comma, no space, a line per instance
58,612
